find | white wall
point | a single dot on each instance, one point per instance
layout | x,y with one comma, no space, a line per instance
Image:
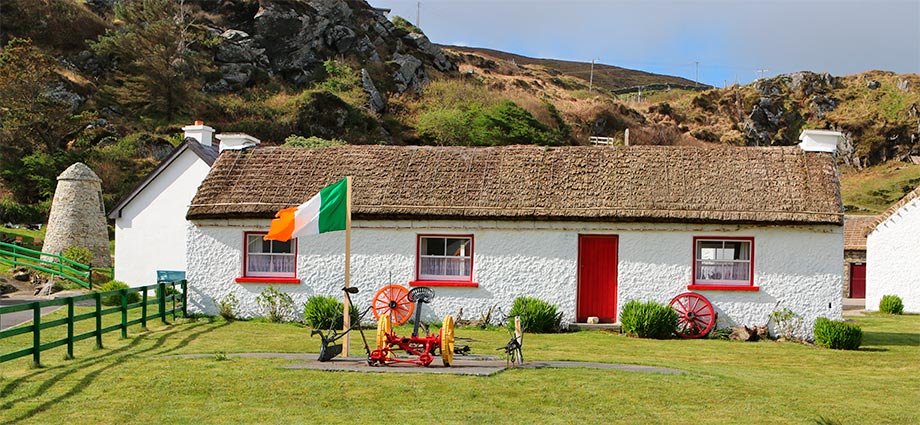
893,259
795,267
150,234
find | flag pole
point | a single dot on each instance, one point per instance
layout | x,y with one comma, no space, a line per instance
346,321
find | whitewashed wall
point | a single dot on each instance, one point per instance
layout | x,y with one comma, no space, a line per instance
893,259
151,232
795,267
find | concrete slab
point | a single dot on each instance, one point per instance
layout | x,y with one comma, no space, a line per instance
473,365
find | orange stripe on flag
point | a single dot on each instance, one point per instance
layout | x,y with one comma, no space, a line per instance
282,226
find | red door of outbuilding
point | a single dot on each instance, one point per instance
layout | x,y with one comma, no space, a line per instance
597,277
857,280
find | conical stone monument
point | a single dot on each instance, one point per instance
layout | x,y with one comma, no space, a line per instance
78,215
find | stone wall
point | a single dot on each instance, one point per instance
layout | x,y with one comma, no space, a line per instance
78,215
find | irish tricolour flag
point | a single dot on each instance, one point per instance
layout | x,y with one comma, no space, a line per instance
325,212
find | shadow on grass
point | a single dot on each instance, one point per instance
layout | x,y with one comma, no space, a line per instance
891,338
111,358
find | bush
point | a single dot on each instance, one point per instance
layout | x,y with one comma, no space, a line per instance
278,306
648,320
536,315
325,312
311,142
112,300
837,334
227,306
78,254
891,304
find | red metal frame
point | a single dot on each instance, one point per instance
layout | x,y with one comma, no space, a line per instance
420,346
244,278
446,282
695,315
724,287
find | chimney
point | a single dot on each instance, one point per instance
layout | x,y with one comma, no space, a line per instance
820,140
236,141
199,132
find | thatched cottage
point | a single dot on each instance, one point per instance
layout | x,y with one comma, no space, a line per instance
893,255
586,228
855,228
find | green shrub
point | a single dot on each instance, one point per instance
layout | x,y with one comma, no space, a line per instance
277,306
227,307
536,315
78,254
401,23
891,304
311,142
837,334
325,312
648,320
112,300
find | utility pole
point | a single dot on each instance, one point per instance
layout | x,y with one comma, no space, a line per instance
418,14
591,80
696,82
762,72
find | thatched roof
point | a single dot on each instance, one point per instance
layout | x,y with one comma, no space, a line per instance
639,183
914,194
855,228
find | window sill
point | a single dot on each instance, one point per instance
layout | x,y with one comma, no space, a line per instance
723,288
268,279
455,283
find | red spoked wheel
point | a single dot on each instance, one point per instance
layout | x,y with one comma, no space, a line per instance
695,315
393,300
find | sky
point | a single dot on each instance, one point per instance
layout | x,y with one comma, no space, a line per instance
725,41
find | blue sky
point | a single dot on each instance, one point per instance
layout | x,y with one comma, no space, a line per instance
731,40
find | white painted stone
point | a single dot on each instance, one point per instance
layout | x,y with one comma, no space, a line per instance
797,267
150,234
893,259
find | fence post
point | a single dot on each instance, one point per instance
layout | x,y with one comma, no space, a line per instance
98,320
124,312
90,277
173,293
144,310
161,301
69,355
36,334
184,284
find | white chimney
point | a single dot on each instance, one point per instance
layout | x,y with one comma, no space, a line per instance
820,140
199,132
236,141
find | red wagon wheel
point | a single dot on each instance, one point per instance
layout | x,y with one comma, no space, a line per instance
695,315
393,300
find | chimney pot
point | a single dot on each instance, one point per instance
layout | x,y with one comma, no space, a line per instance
236,141
820,140
200,132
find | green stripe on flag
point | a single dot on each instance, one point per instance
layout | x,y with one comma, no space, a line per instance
333,208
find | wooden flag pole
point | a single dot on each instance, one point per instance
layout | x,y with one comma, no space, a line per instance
346,321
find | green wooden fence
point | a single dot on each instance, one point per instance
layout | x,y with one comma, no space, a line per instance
168,301
66,268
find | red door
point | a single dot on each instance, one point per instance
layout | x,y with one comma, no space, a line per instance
597,277
857,280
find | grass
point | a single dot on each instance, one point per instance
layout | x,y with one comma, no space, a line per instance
130,381
874,189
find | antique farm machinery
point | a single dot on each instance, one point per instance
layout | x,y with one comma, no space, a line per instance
421,348
695,315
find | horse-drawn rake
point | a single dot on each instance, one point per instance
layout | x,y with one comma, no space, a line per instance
396,300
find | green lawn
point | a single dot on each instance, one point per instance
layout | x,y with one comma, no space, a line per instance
725,382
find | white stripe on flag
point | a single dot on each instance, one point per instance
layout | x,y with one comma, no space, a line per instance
306,218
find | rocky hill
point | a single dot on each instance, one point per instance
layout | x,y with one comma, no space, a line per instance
110,84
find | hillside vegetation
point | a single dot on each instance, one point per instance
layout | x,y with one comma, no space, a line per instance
112,86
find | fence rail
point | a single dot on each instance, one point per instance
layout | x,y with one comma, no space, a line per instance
15,255
166,293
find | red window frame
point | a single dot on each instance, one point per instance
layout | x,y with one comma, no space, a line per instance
748,286
446,282
265,279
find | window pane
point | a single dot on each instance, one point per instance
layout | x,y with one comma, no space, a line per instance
281,247
254,244
433,246
709,250
458,247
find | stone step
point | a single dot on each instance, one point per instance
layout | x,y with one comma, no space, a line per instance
594,327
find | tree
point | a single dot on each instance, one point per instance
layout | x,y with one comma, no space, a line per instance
34,126
154,64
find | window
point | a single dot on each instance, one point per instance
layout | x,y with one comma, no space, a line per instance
271,259
725,262
445,259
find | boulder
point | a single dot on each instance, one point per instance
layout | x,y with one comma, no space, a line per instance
421,42
234,35
375,101
821,105
904,85
341,38
22,274
873,84
240,52
410,74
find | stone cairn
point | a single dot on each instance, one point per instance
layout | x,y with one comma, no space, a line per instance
78,215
